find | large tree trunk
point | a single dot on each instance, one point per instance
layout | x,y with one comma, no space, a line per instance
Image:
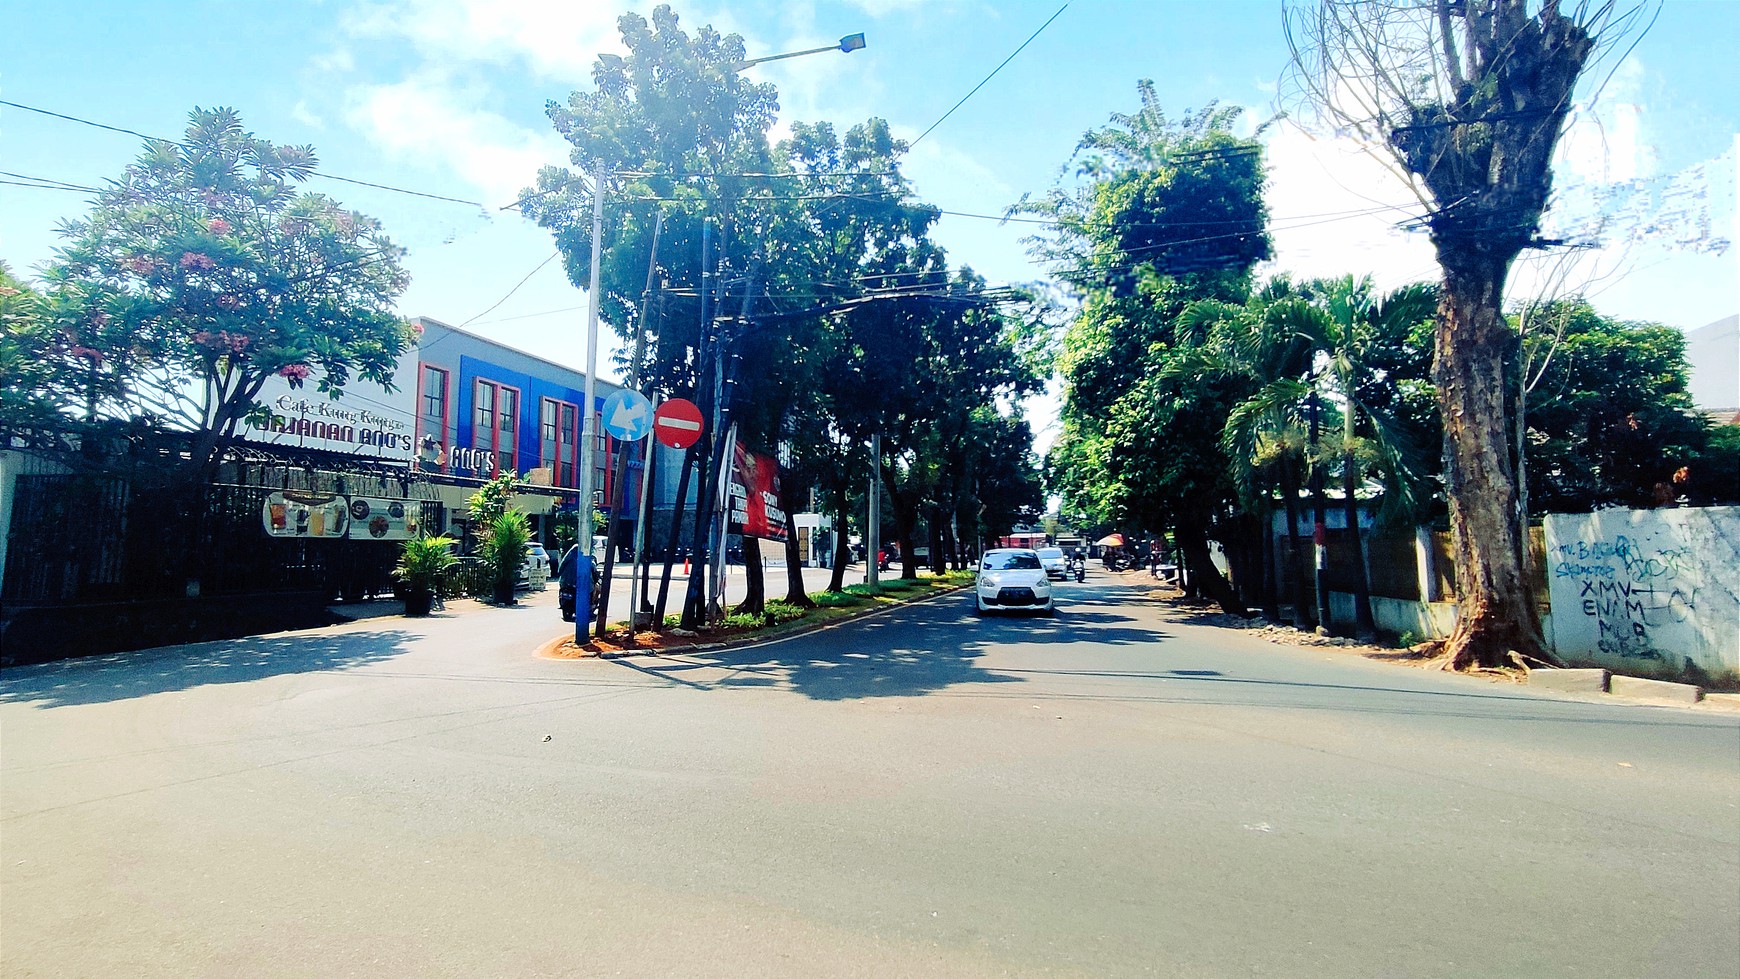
754,581
1495,611
795,592
1270,556
837,581
1365,627
1204,576
938,553
1303,610
905,524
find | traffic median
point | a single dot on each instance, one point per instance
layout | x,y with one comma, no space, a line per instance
778,620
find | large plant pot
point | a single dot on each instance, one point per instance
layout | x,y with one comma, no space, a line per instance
418,603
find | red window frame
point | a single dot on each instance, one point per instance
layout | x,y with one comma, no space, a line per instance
567,450
490,436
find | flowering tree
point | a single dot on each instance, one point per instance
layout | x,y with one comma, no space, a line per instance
202,272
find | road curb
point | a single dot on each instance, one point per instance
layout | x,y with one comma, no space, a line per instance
1660,690
1570,681
548,649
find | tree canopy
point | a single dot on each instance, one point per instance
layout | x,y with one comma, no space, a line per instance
202,271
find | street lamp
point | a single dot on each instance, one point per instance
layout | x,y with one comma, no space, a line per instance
848,44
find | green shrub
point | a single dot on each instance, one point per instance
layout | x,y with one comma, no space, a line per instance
422,570
778,611
505,547
834,599
743,620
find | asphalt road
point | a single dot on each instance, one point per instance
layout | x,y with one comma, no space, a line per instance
917,793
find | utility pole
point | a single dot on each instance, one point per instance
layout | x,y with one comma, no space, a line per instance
589,431
613,528
1320,524
872,544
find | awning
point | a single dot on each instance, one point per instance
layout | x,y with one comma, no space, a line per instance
1111,540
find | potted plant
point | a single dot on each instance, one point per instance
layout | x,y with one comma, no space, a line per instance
422,565
505,547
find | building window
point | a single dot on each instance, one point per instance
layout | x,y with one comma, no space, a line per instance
432,404
559,436
496,407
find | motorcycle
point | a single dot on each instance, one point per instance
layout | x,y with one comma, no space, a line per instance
1078,568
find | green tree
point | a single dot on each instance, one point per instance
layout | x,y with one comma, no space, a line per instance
676,129
35,389
1609,419
203,271
1468,98
1170,212
1361,338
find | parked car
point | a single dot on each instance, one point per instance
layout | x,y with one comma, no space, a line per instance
535,572
1056,565
1012,579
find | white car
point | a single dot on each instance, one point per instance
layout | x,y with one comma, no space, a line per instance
1056,565
535,572
1012,579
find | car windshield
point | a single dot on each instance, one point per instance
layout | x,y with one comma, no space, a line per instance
1050,552
1011,561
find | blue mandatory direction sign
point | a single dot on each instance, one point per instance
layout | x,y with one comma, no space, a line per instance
628,415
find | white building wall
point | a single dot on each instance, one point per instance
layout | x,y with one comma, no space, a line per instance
1636,588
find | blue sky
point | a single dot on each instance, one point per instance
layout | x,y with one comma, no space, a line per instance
446,97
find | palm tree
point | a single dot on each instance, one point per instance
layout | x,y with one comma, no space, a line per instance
1264,435
1356,333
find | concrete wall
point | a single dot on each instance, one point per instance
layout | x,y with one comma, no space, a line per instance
1647,589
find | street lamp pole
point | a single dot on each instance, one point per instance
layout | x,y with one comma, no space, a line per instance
589,432
848,44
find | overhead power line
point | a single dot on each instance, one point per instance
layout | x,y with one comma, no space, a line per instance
177,142
992,75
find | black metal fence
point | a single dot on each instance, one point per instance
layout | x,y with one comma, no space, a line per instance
77,539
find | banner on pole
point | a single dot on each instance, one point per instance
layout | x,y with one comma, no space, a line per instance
754,495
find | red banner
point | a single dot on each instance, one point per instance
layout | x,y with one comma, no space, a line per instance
754,494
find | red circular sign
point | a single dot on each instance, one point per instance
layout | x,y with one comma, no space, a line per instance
677,423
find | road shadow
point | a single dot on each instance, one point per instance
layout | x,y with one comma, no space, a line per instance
896,654
165,669
908,652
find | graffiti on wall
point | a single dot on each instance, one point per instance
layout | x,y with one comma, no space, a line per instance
1627,589
1645,585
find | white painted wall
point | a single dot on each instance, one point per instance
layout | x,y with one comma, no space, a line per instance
1636,588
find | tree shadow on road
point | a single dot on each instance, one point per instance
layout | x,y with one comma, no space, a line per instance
889,655
902,653
121,676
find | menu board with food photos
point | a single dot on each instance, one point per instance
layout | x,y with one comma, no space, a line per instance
329,516
294,514
373,518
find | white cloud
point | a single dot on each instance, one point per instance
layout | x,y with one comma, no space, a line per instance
1334,210
1605,142
557,39
426,120
306,116
334,62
